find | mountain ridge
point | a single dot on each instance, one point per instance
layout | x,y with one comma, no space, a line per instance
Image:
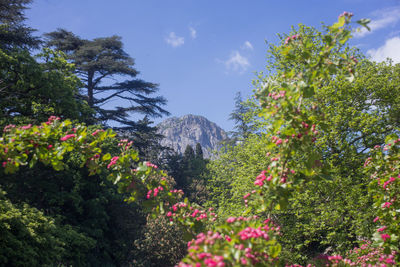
189,130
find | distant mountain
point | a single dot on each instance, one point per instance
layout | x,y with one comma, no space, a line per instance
190,130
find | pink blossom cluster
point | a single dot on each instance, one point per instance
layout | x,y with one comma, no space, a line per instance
391,180
51,119
346,14
354,59
154,192
276,96
188,212
97,131
292,38
243,219
204,258
175,208
125,144
250,232
200,248
113,161
9,127
151,165
26,127
365,255
248,195
66,137
176,191
261,178
9,161
278,140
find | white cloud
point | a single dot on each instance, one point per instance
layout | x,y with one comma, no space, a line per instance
174,40
384,18
247,45
193,32
237,62
391,49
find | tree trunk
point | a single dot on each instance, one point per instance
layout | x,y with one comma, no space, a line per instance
90,88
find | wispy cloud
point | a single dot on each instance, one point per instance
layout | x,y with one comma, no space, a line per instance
389,50
384,18
193,32
174,40
247,45
236,62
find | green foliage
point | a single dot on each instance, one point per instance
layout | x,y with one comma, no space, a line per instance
232,174
28,237
190,174
33,89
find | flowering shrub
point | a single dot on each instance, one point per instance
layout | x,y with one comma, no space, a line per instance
295,121
239,242
384,169
54,139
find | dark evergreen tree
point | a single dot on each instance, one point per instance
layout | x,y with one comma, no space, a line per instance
13,33
199,151
99,63
188,155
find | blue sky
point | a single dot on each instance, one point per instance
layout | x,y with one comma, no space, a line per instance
202,52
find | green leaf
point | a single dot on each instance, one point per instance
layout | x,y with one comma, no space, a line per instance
106,157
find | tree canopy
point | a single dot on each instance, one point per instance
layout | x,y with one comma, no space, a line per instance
99,63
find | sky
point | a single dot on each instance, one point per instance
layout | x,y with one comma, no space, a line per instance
202,52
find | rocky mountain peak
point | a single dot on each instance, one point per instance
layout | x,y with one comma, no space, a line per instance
190,130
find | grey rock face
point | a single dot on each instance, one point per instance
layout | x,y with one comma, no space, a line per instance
190,130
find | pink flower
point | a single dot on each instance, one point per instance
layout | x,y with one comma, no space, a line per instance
259,183
386,205
51,119
231,220
391,179
385,237
26,127
149,194
376,219
151,165
97,131
112,162
246,196
382,229
49,146
68,136
169,214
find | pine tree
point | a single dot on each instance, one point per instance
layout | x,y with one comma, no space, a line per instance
188,155
238,115
199,151
13,33
101,61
